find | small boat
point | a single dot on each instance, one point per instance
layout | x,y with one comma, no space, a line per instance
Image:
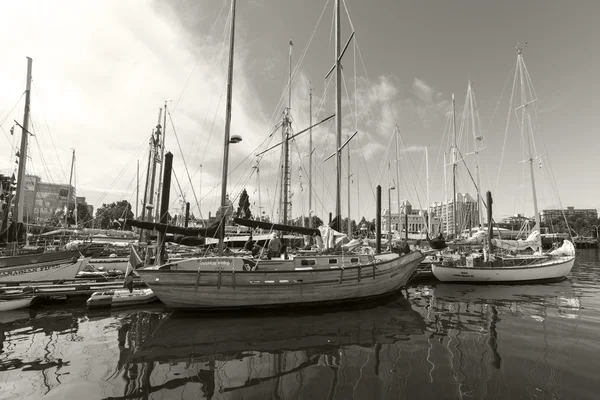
121,298
10,302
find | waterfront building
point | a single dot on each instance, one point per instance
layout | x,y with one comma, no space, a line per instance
43,199
467,214
552,214
417,222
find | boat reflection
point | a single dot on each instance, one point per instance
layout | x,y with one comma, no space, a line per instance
290,354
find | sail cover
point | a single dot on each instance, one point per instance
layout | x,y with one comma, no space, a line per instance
276,227
210,231
533,241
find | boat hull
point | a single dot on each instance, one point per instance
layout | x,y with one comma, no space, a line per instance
190,289
548,270
43,271
15,304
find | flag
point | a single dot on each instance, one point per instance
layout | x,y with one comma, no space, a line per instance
134,260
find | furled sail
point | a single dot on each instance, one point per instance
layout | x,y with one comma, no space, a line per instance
210,231
534,241
276,227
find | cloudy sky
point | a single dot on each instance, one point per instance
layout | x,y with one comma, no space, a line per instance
102,70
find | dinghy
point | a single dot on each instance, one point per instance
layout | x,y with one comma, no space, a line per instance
121,298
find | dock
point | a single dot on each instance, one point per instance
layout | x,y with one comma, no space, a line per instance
74,289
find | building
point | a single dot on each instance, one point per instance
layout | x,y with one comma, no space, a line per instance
549,215
467,214
417,223
43,199
516,222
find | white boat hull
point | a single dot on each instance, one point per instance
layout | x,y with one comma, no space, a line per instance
121,298
15,304
273,287
50,271
549,269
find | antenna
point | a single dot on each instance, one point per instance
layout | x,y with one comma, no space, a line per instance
519,48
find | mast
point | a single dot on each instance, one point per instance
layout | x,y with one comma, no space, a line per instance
310,151
137,188
162,158
227,129
155,143
526,118
398,176
427,173
349,175
454,167
20,195
338,115
477,149
286,146
147,181
446,196
69,193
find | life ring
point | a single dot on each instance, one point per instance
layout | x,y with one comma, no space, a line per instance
248,267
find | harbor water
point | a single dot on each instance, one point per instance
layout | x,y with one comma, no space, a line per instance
429,341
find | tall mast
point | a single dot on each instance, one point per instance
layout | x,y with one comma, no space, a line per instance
454,229
477,149
526,119
155,143
162,157
338,115
227,129
428,201
69,191
137,188
286,145
349,175
446,196
148,168
20,195
398,176
310,156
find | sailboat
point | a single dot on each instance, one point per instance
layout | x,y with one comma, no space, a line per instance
48,266
501,260
228,282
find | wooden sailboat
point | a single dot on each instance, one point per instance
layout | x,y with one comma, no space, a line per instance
502,262
227,282
17,267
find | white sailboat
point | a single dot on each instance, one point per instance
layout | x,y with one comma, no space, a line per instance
503,262
227,282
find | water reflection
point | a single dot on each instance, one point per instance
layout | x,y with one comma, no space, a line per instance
431,341
279,355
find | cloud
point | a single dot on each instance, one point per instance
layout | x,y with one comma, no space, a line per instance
429,105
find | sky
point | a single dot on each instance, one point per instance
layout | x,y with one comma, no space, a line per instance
102,70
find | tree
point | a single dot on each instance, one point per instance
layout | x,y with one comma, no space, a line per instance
111,216
84,218
243,210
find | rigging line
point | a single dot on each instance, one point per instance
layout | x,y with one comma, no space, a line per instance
121,172
348,14
184,163
304,169
300,60
12,109
42,158
199,56
220,58
48,127
510,109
